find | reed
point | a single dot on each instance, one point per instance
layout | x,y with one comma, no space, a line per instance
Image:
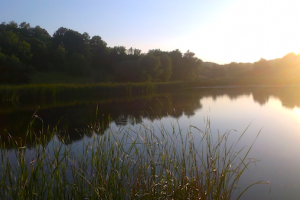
144,162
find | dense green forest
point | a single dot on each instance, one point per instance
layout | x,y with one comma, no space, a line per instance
25,50
29,52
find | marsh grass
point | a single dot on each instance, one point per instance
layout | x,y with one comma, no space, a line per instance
69,92
142,162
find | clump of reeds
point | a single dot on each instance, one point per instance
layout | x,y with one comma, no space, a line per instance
148,162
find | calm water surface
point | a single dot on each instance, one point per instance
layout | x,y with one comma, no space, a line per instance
275,111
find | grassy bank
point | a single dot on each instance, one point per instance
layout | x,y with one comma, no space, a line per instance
146,162
70,92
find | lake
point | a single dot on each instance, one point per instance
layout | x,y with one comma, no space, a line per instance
274,111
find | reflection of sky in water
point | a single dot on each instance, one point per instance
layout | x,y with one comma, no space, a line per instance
278,145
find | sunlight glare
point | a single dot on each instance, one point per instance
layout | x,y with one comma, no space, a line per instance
297,111
250,30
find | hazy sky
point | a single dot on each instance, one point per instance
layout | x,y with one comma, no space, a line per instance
219,31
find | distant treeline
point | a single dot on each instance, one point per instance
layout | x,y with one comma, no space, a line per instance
280,70
26,50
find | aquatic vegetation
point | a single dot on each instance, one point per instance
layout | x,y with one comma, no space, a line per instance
141,162
69,92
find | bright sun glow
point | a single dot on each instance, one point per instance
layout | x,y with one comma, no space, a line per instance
297,111
249,30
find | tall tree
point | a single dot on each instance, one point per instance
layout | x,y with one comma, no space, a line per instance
177,64
98,54
149,66
192,66
74,42
40,33
58,36
24,30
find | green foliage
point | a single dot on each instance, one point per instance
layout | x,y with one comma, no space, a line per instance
117,54
59,59
40,34
40,58
192,66
127,71
71,92
177,64
58,36
133,53
73,42
166,66
149,67
77,65
12,70
24,52
97,43
76,54
80,54
9,42
98,54
25,30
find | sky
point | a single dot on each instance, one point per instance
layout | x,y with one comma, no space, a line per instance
220,31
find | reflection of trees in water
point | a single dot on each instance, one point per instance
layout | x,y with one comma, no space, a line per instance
288,95
215,93
79,120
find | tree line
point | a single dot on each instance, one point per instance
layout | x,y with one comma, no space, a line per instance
25,50
287,67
